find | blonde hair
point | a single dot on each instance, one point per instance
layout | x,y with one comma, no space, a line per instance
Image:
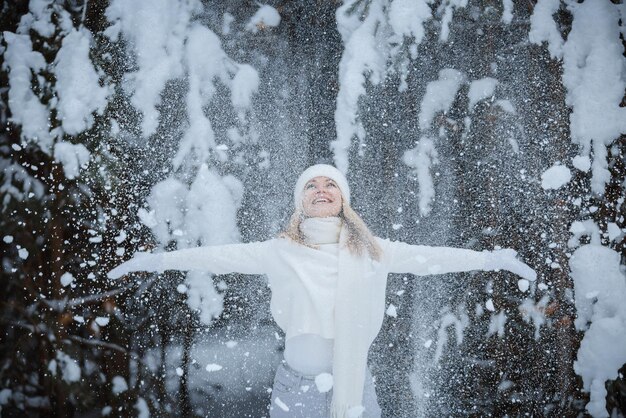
359,241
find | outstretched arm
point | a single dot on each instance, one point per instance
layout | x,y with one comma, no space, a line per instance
251,258
424,260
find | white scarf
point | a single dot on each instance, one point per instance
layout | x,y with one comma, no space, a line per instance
318,231
357,317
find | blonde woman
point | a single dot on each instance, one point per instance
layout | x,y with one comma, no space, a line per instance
328,274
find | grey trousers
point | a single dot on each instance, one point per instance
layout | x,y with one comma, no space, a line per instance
296,396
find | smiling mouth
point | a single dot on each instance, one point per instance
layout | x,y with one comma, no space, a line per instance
316,201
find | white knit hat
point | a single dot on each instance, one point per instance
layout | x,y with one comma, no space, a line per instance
324,170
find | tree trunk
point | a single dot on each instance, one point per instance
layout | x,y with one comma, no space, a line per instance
186,410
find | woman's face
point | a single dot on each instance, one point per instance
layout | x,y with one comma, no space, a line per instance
322,198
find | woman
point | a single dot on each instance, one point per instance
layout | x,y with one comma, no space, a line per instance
328,276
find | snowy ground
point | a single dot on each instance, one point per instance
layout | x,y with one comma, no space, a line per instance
230,376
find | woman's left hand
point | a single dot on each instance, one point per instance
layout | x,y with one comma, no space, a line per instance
506,260
141,261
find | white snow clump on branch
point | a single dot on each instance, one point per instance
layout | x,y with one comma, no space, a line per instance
555,177
70,370
543,28
16,174
143,411
213,367
373,34
38,18
600,291
579,229
202,296
78,87
439,96
265,16
420,159
26,108
204,59
447,7
167,200
480,90
102,321
507,11
168,45
535,312
245,84
362,55
497,323
208,195
78,93
5,396
582,162
506,106
593,74
407,18
118,385
614,231
449,319
156,30
66,279
72,157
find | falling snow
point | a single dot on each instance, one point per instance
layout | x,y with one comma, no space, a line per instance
149,126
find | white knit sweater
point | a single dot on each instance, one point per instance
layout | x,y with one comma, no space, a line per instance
302,279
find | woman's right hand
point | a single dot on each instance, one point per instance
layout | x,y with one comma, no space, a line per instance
140,262
506,259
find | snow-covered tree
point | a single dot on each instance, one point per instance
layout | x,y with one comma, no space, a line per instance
56,215
492,126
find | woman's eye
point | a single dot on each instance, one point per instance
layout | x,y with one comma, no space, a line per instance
309,186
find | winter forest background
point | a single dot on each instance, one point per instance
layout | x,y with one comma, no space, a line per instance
160,124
